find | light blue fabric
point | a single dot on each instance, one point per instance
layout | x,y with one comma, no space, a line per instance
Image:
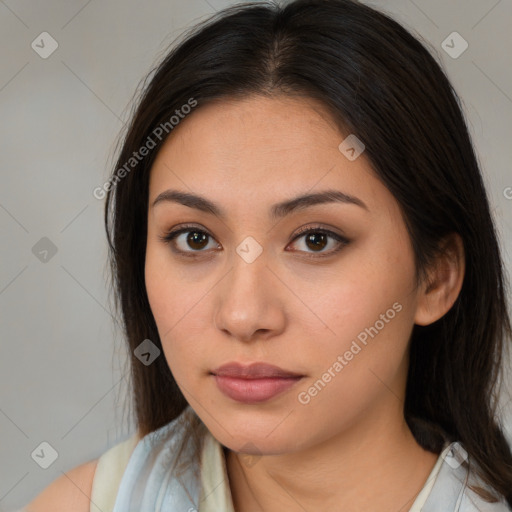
153,480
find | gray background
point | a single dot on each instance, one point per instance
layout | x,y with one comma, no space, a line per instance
62,365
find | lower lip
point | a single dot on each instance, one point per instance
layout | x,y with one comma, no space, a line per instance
251,391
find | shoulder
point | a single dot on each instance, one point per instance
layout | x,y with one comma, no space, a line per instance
68,493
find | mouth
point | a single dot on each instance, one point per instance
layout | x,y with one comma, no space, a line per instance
255,383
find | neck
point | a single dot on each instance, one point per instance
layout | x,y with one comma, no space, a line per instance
374,465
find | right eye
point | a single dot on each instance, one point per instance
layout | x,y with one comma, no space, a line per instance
195,238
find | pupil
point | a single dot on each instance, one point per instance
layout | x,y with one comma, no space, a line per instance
195,238
311,238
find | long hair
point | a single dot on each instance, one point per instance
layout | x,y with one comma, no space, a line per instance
382,84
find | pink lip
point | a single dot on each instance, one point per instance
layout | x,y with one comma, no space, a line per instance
252,391
254,383
253,371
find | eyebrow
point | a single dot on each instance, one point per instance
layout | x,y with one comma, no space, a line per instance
278,210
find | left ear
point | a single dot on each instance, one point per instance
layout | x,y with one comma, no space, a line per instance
437,296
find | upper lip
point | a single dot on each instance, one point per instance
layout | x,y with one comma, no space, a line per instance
253,371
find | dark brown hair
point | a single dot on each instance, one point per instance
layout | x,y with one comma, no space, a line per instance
380,83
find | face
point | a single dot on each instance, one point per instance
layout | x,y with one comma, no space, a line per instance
335,306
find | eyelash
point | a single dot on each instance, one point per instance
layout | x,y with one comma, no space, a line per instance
169,237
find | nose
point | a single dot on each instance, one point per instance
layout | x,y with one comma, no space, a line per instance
249,303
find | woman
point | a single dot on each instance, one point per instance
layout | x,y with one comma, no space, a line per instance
309,277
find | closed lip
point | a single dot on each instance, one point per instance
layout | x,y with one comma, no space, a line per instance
253,371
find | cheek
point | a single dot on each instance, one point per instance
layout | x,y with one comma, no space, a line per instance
164,299
367,312
363,360
160,296
167,291
353,294
175,304
376,276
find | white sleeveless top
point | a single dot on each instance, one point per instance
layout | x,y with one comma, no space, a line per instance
214,477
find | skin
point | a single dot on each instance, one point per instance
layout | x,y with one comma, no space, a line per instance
350,444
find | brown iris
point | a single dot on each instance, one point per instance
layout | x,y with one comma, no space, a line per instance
196,237
319,240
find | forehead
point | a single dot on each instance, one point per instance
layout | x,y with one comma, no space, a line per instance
260,149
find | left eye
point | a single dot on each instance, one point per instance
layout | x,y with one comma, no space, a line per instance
197,239
318,238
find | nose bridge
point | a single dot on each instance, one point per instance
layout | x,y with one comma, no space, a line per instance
249,272
247,302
